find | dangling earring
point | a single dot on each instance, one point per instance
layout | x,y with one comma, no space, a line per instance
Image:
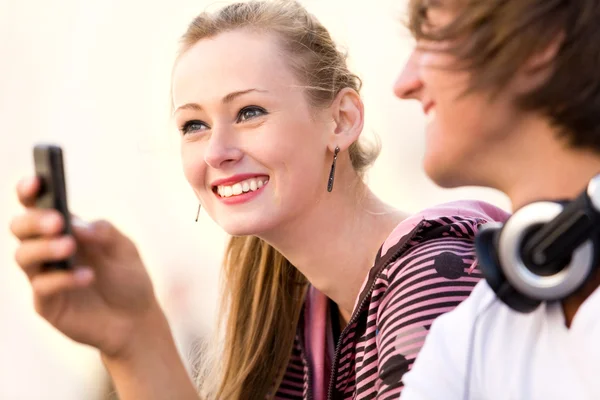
332,172
198,214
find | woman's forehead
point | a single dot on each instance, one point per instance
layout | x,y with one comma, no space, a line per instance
230,62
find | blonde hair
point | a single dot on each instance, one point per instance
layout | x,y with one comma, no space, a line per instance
263,292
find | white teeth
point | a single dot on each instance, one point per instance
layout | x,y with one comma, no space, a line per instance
242,187
237,189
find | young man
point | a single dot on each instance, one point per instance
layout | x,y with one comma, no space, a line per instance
511,89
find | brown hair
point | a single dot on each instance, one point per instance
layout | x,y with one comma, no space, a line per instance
263,292
494,38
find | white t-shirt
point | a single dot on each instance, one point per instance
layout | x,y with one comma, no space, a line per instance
514,356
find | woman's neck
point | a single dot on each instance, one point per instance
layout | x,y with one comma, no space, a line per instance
334,244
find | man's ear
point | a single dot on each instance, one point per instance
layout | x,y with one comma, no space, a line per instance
539,66
348,116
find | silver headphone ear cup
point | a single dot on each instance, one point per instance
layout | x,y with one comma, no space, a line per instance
486,243
545,288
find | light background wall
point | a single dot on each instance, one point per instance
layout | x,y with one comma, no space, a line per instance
93,76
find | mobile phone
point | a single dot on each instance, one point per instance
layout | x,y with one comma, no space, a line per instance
49,168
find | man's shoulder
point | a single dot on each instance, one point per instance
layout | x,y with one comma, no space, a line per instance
484,312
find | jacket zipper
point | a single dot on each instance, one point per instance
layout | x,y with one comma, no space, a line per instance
309,394
358,311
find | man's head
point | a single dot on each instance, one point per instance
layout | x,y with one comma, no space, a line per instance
492,75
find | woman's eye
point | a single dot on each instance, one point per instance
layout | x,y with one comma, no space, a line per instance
193,126
249,113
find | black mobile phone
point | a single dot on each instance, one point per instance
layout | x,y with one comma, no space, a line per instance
49,168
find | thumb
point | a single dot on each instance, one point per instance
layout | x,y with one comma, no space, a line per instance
100,235
98,232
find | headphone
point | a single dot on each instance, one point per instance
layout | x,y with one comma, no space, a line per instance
545,251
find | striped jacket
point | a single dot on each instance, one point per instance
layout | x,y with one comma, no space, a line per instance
425,268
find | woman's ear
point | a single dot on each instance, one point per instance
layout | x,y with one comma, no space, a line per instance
348,116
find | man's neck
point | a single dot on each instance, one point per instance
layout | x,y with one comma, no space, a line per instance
536,164
549,170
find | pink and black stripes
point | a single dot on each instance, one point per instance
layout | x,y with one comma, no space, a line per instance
416,278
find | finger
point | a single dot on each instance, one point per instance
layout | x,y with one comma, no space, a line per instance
27,190
52,283
36,222
31,254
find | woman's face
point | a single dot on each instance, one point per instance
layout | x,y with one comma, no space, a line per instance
465,135
253,150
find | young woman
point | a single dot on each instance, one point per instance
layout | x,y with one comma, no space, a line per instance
329,292
513,91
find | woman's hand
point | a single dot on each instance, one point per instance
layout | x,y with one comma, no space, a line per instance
108,296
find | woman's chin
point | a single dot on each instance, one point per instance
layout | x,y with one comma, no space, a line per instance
243,228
